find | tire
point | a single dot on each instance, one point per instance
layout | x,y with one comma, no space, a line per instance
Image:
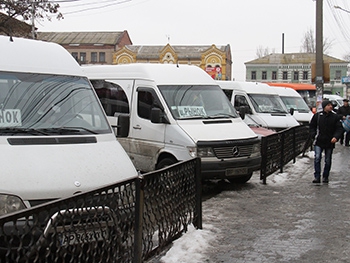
241,179
166,162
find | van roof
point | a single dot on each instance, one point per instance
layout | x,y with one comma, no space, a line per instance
162,74
33,56
248,87
282,91
332,96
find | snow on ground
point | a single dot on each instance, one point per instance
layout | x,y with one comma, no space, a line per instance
190,246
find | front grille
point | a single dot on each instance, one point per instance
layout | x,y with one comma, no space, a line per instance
233,151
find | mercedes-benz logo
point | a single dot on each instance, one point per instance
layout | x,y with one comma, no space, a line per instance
235,151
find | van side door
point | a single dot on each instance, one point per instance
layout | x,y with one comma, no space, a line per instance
146,137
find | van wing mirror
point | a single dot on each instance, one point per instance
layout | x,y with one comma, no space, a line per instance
242,111
291,111
123,125
157,116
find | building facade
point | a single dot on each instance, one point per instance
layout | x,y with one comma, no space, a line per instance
298,68
89,47
117,48
215,60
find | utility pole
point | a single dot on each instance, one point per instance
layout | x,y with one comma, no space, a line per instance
319,53
33,14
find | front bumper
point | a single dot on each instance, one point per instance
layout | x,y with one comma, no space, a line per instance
229,168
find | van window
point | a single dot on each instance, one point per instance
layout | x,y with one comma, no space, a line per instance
42,104
264,103
112,97
146,100
241,101
197,101
297,103
228,93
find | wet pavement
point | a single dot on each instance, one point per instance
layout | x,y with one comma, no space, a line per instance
292,220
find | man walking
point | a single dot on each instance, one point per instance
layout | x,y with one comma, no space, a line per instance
343,111
326,129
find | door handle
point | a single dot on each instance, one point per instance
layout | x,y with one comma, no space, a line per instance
137,127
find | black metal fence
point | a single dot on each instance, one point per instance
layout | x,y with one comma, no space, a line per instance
280,148
123,222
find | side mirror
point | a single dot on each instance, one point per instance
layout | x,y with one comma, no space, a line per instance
123,125
242,112
291,111
157,116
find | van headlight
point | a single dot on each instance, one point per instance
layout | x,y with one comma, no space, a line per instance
10,203
192,151
256,150
205,152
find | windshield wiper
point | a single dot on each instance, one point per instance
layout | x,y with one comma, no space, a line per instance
221,115
18,130
192,118
66,130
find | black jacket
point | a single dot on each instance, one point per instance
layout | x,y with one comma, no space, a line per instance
323,127
343,111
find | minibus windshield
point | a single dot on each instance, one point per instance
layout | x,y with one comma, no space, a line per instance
297,103
197,102
264,103
41,104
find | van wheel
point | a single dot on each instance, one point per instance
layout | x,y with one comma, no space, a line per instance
166,162
241,180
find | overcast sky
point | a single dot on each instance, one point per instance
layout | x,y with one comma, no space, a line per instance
244,25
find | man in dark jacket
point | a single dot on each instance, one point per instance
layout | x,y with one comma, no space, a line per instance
326,129
343,111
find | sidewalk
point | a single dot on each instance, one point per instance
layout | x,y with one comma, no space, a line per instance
289,219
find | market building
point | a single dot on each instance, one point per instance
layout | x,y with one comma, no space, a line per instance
215,60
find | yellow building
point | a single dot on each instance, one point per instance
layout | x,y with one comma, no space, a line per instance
215,60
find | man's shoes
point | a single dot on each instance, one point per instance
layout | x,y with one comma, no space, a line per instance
347,145
341,142
316,181
325,180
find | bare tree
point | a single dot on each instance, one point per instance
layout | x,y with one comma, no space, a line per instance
261,51
26,10
309,43
347,57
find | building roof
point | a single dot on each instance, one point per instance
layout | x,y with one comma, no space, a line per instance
293,58
183,52
82,38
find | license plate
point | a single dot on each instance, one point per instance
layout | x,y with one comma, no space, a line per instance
78,237
236,171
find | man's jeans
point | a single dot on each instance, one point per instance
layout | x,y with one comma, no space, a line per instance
317,163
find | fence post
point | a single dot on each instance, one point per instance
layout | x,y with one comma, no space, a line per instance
139,207
263,152
198,209
282,152
294,144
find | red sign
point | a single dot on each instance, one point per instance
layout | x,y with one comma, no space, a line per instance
215,73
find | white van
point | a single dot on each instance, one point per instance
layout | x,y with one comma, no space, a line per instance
293,100
263,104
336,100
167,113
55,139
